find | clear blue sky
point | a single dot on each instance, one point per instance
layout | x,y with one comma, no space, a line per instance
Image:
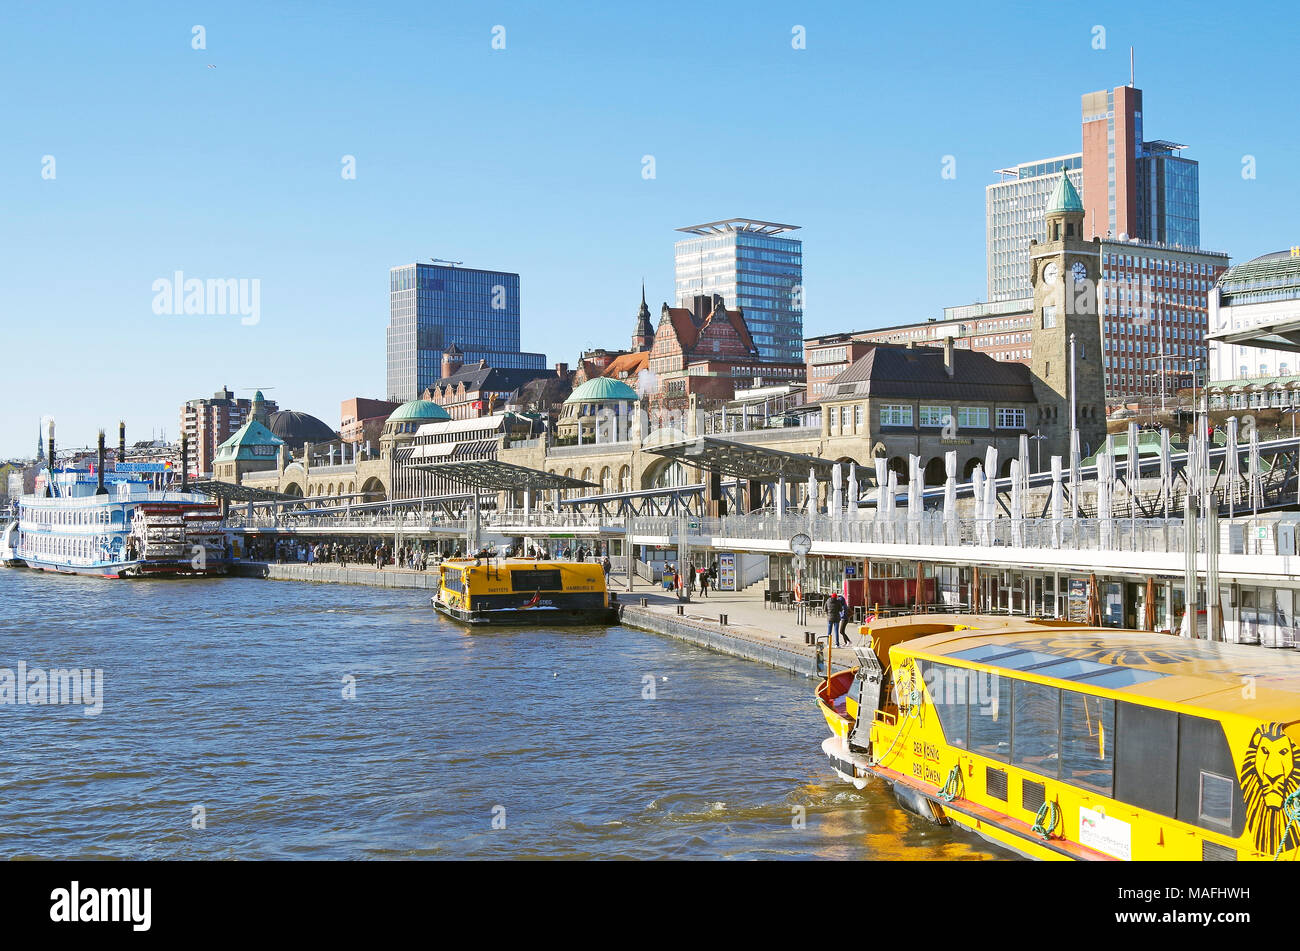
529,159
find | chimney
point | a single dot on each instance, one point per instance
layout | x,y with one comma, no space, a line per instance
948,355
99,468
561,370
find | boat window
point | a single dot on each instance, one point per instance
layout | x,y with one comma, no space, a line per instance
1117,677
1026,659
1203,750
986,652
1069,669
542,579
989,725
950,689
1146,757
1088,741
451,580
1216,799
1035,727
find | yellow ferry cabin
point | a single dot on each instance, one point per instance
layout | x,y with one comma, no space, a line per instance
524,591
1061,741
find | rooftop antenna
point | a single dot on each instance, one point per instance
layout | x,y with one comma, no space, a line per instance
445,261
1130,67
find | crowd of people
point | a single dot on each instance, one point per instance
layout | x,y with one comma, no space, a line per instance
412,557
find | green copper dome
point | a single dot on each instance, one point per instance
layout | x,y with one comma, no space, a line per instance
1064,197
426,410
250,442
602,390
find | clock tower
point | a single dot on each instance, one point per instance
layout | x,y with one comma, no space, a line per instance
1064,271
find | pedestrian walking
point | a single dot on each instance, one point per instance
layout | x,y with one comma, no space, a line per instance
834,611
704,584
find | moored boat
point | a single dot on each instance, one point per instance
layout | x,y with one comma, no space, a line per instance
1061,741
8,545
78,521
524,591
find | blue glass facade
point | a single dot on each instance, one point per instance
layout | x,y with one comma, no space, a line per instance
760,273
1169,199
432,306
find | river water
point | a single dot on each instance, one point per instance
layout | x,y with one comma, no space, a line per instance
269,720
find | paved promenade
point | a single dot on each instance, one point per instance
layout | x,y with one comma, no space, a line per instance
338,574
751,631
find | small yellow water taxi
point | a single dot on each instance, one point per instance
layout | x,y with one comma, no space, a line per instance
1061,741
524,591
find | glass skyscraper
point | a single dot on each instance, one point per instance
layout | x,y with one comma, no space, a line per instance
1168,196
746,263
432,306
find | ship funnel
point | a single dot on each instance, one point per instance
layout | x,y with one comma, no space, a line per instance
121,441
49,458
99,468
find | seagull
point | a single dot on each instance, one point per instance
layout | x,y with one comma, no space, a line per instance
212,65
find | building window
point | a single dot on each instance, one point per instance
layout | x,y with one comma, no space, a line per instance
896,414
973,417
935,415
1011,418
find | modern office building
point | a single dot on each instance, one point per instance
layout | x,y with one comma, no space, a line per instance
1013,215
210,422
433,306
753,268
1155,314
1131,187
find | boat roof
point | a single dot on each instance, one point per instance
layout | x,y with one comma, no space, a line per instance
521,562
1250,681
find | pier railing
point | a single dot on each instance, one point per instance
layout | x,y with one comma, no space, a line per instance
764,530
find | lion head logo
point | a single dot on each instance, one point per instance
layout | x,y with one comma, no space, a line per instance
1269,774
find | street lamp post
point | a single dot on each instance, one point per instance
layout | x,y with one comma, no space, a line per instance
1038,437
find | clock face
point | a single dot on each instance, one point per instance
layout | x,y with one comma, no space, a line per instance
1050,273
1080,272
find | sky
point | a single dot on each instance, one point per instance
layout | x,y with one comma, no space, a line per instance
129,155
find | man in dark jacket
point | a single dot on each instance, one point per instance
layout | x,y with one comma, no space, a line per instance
834,611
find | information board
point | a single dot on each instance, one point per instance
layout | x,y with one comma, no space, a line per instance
726,571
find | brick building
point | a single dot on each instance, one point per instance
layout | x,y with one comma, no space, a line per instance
700,353
362,420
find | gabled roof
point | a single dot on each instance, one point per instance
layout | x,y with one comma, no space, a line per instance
687,331
492,379
629,364
919,373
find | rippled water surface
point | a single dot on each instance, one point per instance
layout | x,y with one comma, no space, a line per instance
228,694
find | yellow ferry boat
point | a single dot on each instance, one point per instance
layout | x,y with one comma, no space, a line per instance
524,591
1061,741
